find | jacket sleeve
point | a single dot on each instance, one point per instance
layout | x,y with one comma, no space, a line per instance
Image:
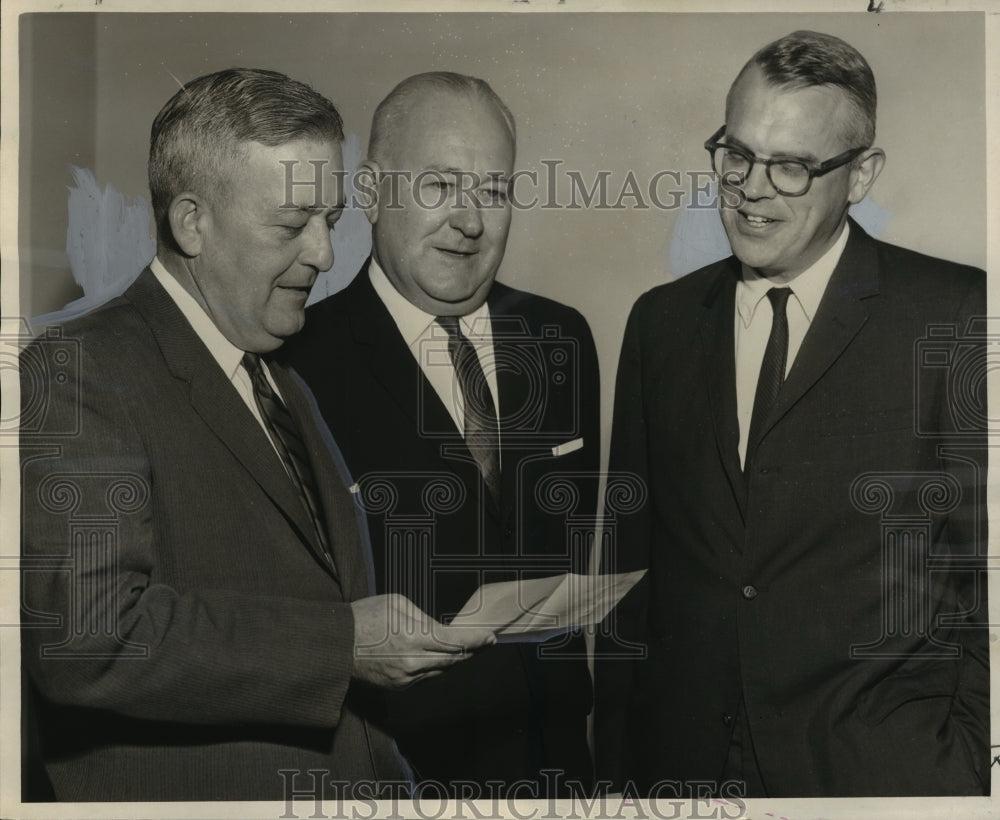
621,640
100,627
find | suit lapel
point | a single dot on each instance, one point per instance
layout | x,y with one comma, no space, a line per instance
343,524
519,399
386,357
717,344
841,314
214,398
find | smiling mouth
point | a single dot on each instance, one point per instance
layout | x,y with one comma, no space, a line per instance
457,253
755,221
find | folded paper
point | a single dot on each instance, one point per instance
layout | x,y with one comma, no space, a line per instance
537,609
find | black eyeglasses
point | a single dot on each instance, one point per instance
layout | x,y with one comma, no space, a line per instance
790,176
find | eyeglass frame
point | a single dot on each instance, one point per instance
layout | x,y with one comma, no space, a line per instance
712,144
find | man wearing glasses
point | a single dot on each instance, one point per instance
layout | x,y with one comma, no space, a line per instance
807,416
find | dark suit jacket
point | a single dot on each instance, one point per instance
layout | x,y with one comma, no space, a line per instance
186,639
860,671
437,535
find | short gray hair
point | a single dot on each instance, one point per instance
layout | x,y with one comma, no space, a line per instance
208,122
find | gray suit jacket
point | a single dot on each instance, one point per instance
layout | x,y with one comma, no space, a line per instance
185,638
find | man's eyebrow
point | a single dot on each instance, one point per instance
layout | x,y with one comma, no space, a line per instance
499,176
446,169
736,143
808,156
310,209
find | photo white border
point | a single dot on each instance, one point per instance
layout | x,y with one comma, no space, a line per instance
773,809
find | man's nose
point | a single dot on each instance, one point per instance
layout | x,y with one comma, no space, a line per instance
317,251
466,216
757,185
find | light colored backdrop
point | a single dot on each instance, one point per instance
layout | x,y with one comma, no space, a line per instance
616,92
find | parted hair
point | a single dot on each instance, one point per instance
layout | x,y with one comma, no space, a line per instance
202,131
809,58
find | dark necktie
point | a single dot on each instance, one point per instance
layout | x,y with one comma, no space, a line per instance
772,369
289,444
480,411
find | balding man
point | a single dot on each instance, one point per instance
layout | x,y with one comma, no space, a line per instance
457,401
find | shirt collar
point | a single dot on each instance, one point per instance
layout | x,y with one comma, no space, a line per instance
807,288
414,323
223,351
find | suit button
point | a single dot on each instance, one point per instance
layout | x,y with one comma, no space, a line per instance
764,471
749,592
508,532
727,719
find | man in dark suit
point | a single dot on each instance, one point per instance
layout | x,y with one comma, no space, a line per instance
807,417
198,617
467,413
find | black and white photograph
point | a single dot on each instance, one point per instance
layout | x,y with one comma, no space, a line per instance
527,409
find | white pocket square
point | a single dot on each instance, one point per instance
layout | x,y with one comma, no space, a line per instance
568,447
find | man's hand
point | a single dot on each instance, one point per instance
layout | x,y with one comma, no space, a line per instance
397,644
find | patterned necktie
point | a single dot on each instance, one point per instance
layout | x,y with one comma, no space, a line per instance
772,369
287,441
480,412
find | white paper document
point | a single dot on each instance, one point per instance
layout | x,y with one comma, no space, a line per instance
541,608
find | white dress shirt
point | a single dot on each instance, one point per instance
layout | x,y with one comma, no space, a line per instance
753,317
428,342
228,356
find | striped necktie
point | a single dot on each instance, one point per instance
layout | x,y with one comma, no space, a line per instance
289,445
480,421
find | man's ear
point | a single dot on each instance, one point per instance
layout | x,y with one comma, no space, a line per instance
367,181
864,172
187,216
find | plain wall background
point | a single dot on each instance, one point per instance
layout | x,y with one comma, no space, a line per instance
618,92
